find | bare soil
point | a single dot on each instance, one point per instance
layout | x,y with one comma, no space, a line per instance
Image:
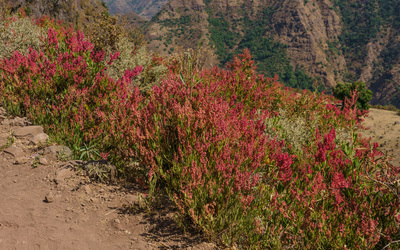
384,128
49,204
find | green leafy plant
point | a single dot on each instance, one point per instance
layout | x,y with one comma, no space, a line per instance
98,171
35,162
62,155
344,91
89,152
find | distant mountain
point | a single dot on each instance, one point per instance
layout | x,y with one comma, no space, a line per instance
144,8
72,11
302,41
134,19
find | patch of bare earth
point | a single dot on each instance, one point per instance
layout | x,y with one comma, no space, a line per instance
384,128
48,204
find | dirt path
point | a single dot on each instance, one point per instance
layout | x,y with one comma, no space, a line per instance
385,129
46,204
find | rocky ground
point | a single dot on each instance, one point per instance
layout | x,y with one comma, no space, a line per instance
47,203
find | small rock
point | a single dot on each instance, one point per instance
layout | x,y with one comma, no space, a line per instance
15,181
396,122
17,121
49,197
39,139
74,163
56,149
62,174
15,151
29,131
117,221
43,161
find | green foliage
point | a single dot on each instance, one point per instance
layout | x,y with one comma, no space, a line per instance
270,56
110,34
19,35
391,53
345,91
105,33
363,21
98,170
88,152
223,38
131,56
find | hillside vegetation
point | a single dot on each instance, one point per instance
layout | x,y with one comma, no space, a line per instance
245,160
80,13
144,8
307,43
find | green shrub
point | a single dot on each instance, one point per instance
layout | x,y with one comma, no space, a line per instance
112,35
153,69
345,91
19,35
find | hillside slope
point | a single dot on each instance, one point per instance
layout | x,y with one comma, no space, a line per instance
144,8
77,12
302,41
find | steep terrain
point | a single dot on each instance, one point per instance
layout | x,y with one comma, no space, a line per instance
144,8
180,24
302,41
371,44
77,12
287,38
134,19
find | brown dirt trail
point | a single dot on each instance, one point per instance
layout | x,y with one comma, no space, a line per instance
47,204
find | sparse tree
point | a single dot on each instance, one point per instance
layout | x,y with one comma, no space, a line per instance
345,90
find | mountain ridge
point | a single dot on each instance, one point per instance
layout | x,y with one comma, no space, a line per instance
302,41
77,12
144,8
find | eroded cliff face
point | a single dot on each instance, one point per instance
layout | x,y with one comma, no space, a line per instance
313,33
309,30
383,74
